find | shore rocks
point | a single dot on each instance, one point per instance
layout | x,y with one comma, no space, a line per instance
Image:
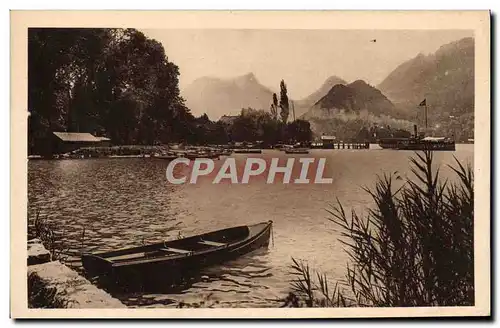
54,285
37,253
31,232
34,241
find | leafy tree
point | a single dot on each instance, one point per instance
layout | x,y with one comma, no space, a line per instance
299,131
258,125
274,107
244,128
284,105
112,82
272,132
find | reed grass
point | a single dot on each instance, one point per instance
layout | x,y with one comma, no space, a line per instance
413,248
41,296
52,239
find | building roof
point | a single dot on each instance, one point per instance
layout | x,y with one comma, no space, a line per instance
76,137
433,138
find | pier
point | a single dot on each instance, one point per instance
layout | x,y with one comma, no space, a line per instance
342,145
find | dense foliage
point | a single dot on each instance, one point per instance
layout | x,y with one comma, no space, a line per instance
414,248
257,125
120,84
284,103
110,82
274,107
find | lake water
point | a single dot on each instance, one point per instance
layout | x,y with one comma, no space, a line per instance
127,202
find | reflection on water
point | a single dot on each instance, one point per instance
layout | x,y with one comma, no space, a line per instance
128,202
234,282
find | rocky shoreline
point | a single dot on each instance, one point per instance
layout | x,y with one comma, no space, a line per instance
52,284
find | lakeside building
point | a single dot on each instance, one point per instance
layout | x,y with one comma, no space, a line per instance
328,140
324,142
63,142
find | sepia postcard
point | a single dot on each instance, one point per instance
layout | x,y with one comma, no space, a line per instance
250,164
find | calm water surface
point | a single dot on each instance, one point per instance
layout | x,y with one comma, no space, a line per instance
127,202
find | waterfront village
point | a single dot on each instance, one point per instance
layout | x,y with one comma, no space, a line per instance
73,145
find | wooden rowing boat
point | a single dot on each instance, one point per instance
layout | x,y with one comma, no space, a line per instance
129,156
248,151
175,257
297,151
167,157
204,155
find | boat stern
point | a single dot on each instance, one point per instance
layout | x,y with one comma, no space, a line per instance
95,265
260,232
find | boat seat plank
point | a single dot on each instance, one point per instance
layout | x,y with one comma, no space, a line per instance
126,256
175,250
211,243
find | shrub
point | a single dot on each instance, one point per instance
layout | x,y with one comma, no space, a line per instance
42,296
46,231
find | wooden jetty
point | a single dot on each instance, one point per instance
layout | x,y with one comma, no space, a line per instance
342,145
247,151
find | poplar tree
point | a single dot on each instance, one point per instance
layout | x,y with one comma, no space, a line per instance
274,107
284,105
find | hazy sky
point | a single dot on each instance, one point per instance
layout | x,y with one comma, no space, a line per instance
303,58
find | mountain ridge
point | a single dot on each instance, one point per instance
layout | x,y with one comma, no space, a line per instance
353,97
304,104
201,95
217,96
445,78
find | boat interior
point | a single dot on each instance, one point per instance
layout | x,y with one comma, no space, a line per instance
180,247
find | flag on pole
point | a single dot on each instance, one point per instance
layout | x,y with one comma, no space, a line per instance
423,103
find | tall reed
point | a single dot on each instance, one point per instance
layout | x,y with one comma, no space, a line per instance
413,248
52,239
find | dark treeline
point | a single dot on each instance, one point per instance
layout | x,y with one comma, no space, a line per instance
110,82
120,84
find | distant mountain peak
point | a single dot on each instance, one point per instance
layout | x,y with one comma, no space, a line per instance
360,83
332,80
206,78
247,77
245,80
304,104
217,97
356,96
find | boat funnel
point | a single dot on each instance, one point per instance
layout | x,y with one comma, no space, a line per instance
415,132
